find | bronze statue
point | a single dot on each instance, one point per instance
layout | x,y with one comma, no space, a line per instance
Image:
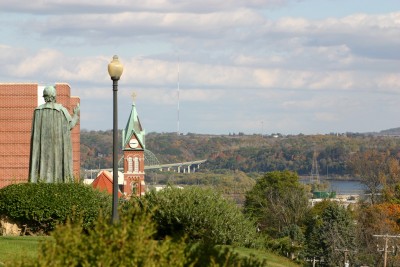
51,146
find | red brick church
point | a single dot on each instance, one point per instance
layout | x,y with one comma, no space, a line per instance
133,146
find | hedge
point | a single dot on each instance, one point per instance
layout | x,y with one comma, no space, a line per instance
41,206
200,214
129,242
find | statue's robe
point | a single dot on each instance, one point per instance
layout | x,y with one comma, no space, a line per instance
51,146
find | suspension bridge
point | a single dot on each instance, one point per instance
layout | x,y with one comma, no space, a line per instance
151,162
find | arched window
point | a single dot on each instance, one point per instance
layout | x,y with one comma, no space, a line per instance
130,165
136,165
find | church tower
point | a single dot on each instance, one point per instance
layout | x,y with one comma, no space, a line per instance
133,145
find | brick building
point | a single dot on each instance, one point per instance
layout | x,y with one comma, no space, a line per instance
17,103
133,146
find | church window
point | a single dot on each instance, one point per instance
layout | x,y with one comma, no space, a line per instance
136,165
130,165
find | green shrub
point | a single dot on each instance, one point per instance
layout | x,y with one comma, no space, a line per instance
129,242
201,214
40,206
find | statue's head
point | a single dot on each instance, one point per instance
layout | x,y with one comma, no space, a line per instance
49,94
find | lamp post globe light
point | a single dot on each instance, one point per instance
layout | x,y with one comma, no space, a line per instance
115,69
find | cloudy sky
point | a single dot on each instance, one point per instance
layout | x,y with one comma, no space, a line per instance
252,66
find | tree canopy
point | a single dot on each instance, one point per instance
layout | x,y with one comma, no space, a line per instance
199,214
330,231
247,153
276,201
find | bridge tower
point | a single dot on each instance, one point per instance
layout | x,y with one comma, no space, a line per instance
133,146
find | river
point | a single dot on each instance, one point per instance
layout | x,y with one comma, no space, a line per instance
342,187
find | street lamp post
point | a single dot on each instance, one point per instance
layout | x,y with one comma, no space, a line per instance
115,69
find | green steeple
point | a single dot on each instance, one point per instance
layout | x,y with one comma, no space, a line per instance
133,128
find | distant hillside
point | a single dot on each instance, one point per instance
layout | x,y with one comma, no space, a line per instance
246,153
393,131
255,153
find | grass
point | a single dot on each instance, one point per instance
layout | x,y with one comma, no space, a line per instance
273,260
16,247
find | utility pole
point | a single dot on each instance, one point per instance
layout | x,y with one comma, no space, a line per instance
385,249
313,260
346,251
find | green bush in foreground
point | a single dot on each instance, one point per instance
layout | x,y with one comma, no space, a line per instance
129,242
200,214
41,206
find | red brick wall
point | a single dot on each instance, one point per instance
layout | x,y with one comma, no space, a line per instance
76,139
130,178
17,103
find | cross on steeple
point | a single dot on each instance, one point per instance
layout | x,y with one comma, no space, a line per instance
133,96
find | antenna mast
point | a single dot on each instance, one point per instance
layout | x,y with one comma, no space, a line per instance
177,130
314,170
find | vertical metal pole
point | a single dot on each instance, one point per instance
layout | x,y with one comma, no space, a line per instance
386,251
386,237
115,152
177,130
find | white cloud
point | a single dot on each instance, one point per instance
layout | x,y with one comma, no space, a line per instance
326,117
129,25
109,6
390,82
233,59
41,64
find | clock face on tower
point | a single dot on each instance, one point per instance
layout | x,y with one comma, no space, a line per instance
133,143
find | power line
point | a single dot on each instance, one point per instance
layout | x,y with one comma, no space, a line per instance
346,251
385,248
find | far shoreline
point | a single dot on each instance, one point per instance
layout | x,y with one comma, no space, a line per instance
330,178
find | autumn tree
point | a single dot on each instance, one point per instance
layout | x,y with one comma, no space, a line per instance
379,219
371,166
276,201
391,182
